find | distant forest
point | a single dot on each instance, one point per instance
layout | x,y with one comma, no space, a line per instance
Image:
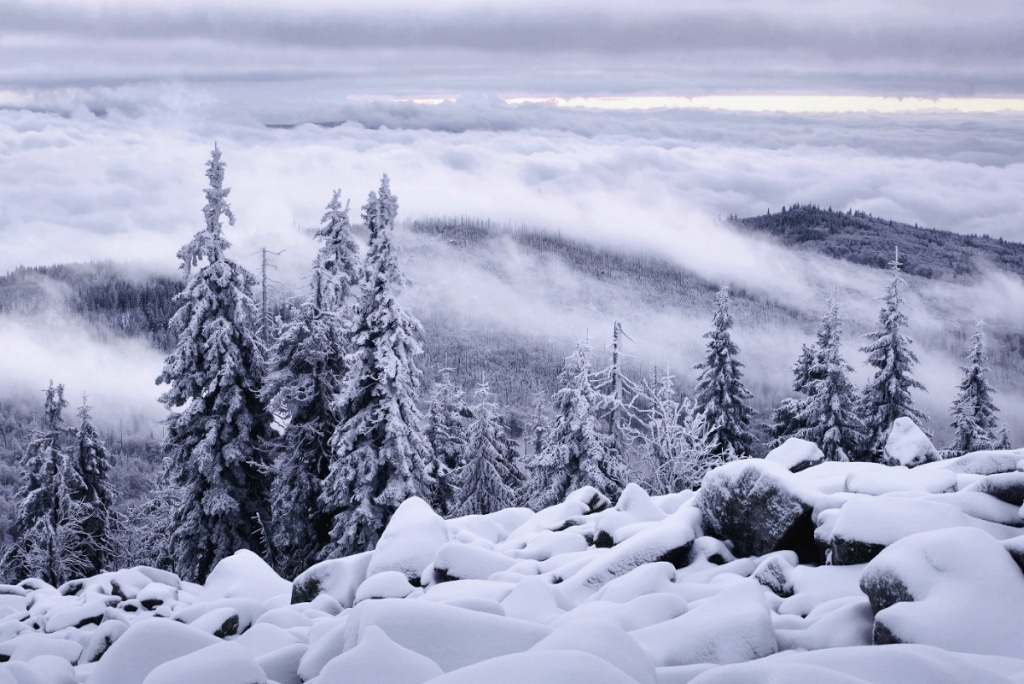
868,240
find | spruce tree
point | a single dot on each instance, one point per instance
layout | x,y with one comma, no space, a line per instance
379,454
618,397
828,417
447,437
485,482
886,396
577,451
218,421
975,424
720,395
50,540
307,367
90,489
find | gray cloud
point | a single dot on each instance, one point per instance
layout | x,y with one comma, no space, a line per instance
923,48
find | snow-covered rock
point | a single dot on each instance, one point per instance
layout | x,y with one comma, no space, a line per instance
339,578
541,667
731,627
866,525
907,445
796,454
144,646
376,659
653,589
452,637
244,575
221,663
410,541
468,561
604,640
756,504
956,588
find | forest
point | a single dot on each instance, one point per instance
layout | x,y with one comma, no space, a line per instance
296,427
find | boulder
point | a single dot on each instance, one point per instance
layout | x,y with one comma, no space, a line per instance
376,659
455,561
759,507
731,627
907,445
410,541
1007,487
956,589
339,578
866,525
796,454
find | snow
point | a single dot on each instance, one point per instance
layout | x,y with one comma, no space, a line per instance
795,453
410,541
954,588
519,596
539,667
376,659
907,445
732,627
221,663
144,646
246,575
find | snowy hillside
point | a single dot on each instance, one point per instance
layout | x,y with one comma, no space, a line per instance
838,573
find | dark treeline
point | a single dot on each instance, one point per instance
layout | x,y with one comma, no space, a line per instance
868,240
100,293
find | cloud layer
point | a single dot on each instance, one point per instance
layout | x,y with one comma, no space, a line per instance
566,48
118,173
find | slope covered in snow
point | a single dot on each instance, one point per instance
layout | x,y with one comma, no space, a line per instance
841,572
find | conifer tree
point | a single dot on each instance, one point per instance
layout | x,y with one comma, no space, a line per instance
50,541
975,424
379,454
89,487
218,421
577,452
886,396
618,397
447,437
307,368
484,483
720,395
829,414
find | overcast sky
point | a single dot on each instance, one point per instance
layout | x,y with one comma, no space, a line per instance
451,47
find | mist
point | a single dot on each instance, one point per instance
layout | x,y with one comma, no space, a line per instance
101,173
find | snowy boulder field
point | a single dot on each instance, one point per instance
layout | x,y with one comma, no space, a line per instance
838,573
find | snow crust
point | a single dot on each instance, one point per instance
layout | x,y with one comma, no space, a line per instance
731,584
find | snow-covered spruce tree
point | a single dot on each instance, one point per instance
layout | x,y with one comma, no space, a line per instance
484,483
676,447
218,421
379,454
307,365
618,397
577,451
886,396
784,420
89,487
828,416
447,436
720,395
975,424
50,542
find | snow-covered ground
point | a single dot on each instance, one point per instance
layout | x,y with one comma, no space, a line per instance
838,573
